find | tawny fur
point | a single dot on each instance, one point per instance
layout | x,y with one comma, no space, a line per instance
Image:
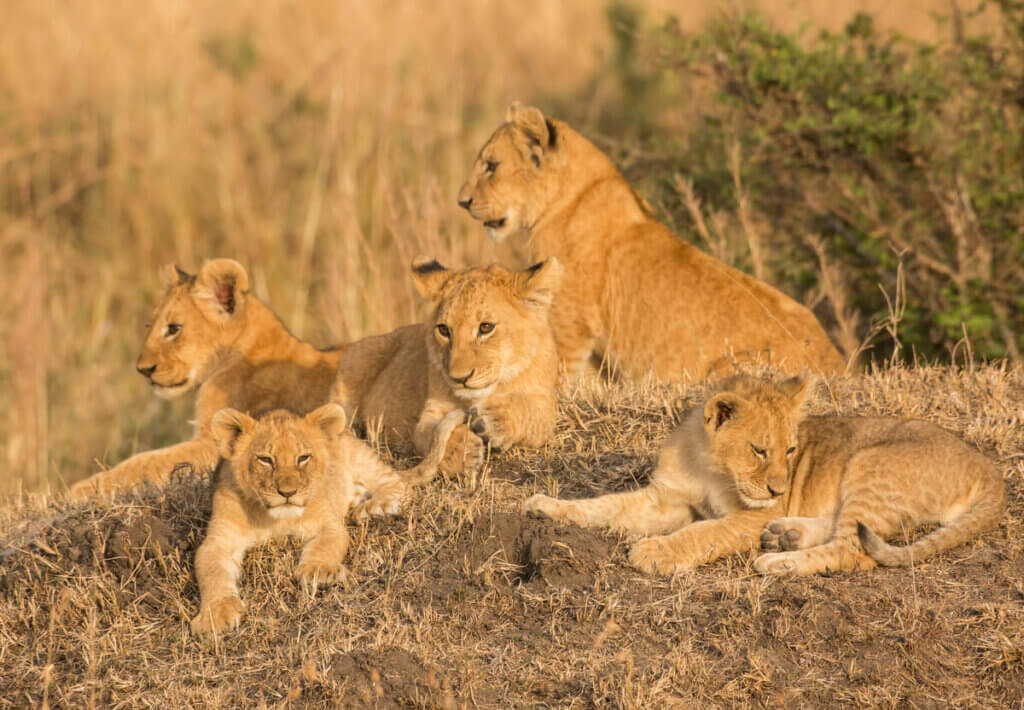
747,468
285,474
406,381
231,347
634,293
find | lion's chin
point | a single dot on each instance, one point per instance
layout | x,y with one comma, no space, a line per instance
756,503
171,391
286,512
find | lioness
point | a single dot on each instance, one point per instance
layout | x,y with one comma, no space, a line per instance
819,493
633,292
284,474
209,332
486,346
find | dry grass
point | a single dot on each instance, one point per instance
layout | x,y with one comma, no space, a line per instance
460,602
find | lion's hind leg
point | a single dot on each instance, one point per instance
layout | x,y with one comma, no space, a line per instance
650,510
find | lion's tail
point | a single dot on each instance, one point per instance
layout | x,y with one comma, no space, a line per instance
426,470
986,508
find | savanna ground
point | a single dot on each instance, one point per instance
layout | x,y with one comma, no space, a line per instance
322,144
462,602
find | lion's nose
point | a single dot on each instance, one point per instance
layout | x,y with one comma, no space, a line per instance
463,380
776,490
465,202
286,490
146,371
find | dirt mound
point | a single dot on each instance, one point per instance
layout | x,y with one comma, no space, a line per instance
559,555
390,678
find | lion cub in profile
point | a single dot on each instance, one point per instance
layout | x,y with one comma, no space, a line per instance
285,474
748,468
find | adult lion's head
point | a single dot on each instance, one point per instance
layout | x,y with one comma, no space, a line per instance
514,175
489,324
198,316
280,459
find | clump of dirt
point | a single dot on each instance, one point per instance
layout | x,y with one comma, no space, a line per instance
146,535
558,555
385,678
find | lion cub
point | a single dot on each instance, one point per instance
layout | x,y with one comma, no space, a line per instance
285,474
748,468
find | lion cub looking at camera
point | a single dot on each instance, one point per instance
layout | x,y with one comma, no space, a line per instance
748,468
284,474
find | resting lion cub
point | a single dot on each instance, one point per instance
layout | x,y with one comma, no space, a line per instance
284,474
747,468
209,332
633,292
487,346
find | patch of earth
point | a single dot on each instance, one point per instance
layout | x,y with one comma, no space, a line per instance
381,679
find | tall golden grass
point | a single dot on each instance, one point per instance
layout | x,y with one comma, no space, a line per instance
321,143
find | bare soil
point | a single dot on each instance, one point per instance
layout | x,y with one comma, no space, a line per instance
463,602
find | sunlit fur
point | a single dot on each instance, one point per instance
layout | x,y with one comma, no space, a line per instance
231,347
405,382
748,468
285,474
633,293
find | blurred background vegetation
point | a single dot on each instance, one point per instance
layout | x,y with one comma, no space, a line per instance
864,156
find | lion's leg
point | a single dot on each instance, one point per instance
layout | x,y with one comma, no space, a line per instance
380,489
795,533
218,565
646,510
465,451
515,419
323,557
197,456
701,542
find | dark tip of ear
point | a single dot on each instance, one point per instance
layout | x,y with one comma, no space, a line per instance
536,267
428,268
552,133
183,276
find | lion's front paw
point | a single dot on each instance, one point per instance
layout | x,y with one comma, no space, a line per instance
656,556
776,537
315,574
385,501
465,453
218,616
541,505
490,428
775,563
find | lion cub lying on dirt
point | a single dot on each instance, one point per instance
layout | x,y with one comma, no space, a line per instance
284,474
747,468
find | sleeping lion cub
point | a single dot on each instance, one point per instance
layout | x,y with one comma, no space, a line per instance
284,474
748,468
634,293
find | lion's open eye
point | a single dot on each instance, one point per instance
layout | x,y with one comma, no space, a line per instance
486,328
443,331
266,460
490,166
758,452
790,451
303,460
172,329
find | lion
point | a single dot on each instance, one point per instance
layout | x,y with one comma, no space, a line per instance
634,294
487,347
209,333
748,468
285,474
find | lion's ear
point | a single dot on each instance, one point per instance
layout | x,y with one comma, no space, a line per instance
226,426
721,409
429,277
173,275
801,390
222,285
539,284
330,418
531,121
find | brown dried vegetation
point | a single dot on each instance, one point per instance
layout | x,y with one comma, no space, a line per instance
462,602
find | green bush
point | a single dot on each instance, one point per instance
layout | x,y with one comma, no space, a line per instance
881,177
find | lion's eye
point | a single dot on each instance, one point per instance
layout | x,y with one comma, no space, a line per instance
790,451
486,328
303,460
491,166
759,453
443,331
172,329
266,460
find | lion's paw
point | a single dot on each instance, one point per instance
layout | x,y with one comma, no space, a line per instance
778,537
218,616
317,574
465,453
540,504
654,555
775,563
385,501
490,428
